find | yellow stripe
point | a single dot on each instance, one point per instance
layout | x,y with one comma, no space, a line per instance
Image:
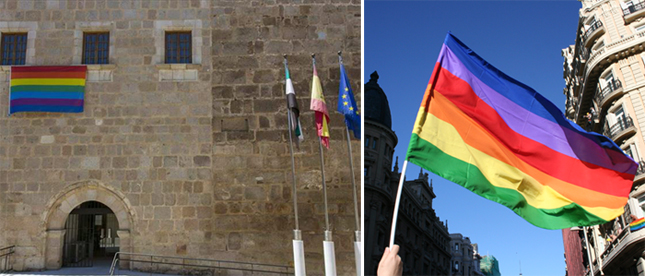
80,82
325,128
497,172
316,89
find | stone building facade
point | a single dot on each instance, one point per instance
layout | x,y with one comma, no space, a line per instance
465,257
192,159
604,73
422,236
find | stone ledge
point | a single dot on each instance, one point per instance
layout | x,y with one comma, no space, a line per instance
100,72
96,67
178,66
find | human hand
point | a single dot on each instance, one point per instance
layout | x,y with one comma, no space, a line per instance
390,264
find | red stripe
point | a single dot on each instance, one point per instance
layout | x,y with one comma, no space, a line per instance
563,167
82,68
47,75
57,102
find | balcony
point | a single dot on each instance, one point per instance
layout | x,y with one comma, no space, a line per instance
640,174
622,243
595,30
613,89
621,129
633,12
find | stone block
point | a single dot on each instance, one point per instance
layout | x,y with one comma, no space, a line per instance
235,124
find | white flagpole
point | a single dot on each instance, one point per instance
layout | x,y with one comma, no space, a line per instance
396,204
358,245
298,246
328,244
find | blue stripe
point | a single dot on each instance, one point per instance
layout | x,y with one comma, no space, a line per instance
519,93
45,108
47,95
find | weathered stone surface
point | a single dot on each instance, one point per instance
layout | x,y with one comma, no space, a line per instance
196,164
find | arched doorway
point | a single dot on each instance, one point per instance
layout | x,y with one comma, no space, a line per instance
66,201
90,235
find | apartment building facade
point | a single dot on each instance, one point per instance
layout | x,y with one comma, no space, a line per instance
605,86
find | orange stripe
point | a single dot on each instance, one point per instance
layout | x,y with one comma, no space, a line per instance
48,75
476,136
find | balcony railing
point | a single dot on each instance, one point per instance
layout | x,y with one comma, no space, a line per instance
618,127
5,258
612,86
596,25
633,9
640,173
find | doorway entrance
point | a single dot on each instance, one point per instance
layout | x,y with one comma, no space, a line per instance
90,235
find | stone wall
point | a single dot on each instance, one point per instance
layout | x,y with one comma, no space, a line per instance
198,153
147,139
251,161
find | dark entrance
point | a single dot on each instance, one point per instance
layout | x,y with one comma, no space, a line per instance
90,233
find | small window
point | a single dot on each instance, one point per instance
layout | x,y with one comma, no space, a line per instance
14,48
96,48
179,47
641,203
374,142
367,141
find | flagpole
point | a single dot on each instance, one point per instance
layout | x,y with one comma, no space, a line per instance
328,244
590,261
398,201
351,168
357,233
298,247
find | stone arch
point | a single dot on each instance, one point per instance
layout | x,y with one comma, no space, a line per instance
59,207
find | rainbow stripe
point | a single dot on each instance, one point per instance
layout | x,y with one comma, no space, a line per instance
47,89
505,142
637,224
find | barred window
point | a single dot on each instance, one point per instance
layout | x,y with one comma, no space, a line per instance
179,47
96,48
13,48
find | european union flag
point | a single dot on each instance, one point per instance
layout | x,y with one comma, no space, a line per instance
347,104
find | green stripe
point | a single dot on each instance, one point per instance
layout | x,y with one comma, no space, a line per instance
47,88
431,158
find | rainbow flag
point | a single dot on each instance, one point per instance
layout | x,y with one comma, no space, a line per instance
320,107
637,224
47,89
502,140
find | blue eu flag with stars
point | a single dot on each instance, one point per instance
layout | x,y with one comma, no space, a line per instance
347,104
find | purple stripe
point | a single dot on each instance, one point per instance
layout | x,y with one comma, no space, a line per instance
528,124
56,102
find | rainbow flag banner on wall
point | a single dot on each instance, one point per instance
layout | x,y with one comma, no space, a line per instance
637,224
47,89
502,140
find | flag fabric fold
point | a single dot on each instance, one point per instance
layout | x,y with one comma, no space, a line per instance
347,104
320,107
502,140
292,104
47,89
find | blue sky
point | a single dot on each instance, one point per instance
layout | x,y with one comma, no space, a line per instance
524,39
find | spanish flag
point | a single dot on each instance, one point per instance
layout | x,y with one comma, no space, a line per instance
320,107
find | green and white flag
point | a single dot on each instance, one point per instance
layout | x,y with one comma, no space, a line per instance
292,104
